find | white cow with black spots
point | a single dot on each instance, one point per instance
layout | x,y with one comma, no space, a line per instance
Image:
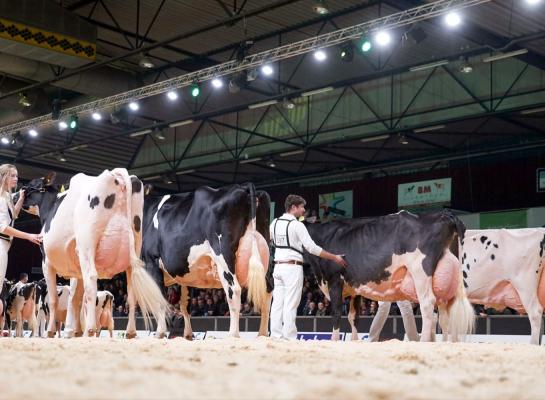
504,268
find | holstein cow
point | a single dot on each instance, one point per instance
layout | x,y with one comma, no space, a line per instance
400,256
504,268
21,306
210,239
93,231
104,312
43,306
3,302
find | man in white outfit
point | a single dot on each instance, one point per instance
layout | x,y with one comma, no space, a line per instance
289,237
406,309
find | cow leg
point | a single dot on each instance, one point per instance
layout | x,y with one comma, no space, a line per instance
444,322
409,323
19,320
355,303
32,322
72,326
51,282
265,312
335,293
534,309
426,297
184,298
233,291
130,332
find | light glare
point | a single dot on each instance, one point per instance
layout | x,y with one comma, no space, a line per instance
134,106
172,95
320,55
63,125
33,132
96,116
267,70
453,19
217,83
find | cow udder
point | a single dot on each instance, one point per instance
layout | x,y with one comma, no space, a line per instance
244,252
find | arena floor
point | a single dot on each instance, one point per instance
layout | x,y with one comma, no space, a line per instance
267,369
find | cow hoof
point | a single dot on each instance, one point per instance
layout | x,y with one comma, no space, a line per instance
130,335
90,332
50,334
161,335
188,337
78,334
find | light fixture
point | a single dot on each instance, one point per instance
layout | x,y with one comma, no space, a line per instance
263,104
133,105
501,56
453,19
217,83
267,70
195,90
320,55
24,101
532,111
271,163
234,86
365,44
172,95
374,138
320,7
159,134
145,62
140,133
317,91
180,123
4,140
62,125
187,171
428,66
73,122
288,104
97,116
532,2
60,157
429,128
292,153
347,52
33,132
250,160
465,67
402,139
251,75
167,179
383,38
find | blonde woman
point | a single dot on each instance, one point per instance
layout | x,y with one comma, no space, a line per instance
8,214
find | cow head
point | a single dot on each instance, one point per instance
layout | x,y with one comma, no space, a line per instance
34,193
6,286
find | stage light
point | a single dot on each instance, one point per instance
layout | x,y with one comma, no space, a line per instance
453,19
24,101
97,116
320,55
383,38
73,124
33,132
62,125
365,44
217,83
133,105
145,62
172,95
195,90
347,52
5,140
320,7
267,70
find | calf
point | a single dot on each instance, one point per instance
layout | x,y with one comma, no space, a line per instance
21,306
104,312
400,256
43,306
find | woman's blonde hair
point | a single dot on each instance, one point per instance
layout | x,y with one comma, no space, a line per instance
5,175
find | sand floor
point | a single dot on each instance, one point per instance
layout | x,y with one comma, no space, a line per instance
267,369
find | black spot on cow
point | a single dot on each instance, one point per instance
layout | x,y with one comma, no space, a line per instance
492,257
488,243
484,239
136,184
49,215
116,181
109,201
474,239
228,277
467,266
230,292
474,260
465,274
95,201
96,305
542,246
88,197
462,242
465,284
137,223
495,245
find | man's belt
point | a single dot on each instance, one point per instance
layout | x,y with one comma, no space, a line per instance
289,262
5,237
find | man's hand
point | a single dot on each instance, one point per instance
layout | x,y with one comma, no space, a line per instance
340,260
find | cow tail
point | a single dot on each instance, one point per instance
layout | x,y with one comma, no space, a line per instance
257,287
146,292
461,315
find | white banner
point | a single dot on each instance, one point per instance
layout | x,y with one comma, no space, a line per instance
424,193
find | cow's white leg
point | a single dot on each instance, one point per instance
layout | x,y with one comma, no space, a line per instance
130,332
444,322
353,315
265,312
184,299
72,327
51,281
19,320
534,309
90,293
233,290
426,298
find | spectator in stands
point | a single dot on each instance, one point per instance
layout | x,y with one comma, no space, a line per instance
310,309
373,308
210,308
173,296
246,309
194,308
321,311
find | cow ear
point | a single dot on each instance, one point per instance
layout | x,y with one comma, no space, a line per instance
148,187
49,178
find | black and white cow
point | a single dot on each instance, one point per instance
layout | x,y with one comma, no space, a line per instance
504,268
93,231
4,292
400,256
43,306
104,312
211,238
21,306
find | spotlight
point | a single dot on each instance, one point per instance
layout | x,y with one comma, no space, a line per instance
17,140
158,133
73,124
532,2
97,116
365,44
271,163
347,52
60,157
33,132
267,70
251,75
133,105
320,55
453,19
383,38
24,101
167,179
4,140
62,125
402,139
145,62
217,83
288,104
172,95
320,7
465,67
195,90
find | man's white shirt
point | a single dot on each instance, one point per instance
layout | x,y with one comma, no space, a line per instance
298,235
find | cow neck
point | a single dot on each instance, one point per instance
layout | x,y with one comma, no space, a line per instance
47,204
